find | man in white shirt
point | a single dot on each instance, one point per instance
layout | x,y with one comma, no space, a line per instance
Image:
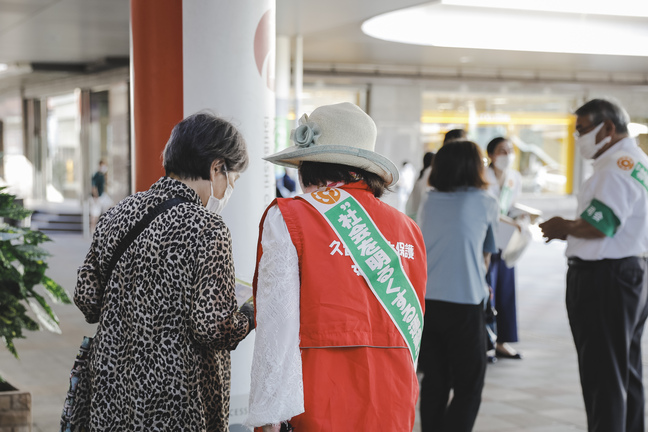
607,282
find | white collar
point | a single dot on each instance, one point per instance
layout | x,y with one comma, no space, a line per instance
623,144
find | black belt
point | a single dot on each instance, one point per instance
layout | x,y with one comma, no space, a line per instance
577,262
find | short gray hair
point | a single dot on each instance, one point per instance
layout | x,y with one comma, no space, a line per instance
197,141
600,110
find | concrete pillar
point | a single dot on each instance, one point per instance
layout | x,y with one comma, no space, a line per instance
397,109
282,92
218,56
33,144
156,77
85,170
298,76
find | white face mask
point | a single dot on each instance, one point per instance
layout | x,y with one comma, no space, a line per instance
504,162
217,205
587,145
103,169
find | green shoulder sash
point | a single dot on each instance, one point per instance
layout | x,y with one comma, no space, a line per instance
375,259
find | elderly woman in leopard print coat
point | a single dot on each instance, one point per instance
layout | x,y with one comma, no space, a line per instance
167,315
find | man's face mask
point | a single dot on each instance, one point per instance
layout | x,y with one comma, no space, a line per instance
587,145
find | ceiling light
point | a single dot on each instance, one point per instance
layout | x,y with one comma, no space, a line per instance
633,8
515,30
13,69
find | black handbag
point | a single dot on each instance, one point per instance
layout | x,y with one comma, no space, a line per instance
76,408
75,412
286,427
490,316
491,326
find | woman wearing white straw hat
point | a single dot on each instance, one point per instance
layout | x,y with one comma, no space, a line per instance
339,288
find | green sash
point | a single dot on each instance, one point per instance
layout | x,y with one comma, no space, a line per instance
506,196
375,260
640,173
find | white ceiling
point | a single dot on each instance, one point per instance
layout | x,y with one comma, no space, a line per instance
89,31
63,30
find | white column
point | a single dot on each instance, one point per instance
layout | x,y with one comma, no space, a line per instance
85,170
397,109
298,75
282,92
228,67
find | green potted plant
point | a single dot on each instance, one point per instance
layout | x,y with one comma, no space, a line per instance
22,270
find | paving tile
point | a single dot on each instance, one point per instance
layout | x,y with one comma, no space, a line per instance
530,419
495,409
495,393
572,400
568,415
555,428
487,423
536,404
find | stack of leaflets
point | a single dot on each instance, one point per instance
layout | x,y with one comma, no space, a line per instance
243,292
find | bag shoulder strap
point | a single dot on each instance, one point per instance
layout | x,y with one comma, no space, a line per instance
140,226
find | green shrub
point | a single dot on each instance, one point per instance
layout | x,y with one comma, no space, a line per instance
22,270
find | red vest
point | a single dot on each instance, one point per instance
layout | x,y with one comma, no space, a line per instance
364,379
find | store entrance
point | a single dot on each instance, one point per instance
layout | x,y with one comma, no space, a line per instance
62,170
67,136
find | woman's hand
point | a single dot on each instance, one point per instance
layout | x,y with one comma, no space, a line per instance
272,428
248,310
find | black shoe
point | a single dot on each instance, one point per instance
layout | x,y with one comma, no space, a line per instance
516,356
492,359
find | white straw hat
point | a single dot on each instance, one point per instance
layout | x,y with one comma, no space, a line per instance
340,133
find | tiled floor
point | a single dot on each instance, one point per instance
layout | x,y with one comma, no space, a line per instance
540,393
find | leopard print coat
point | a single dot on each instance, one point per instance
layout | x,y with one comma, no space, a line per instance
168,318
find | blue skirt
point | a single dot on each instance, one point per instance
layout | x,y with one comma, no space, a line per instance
502,281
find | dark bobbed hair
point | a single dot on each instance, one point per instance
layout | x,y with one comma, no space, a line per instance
492,145
600,110
197,141
428,157
454,135
320,173
458,165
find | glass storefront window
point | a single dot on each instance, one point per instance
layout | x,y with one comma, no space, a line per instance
63,171
15,169
539,127
313,97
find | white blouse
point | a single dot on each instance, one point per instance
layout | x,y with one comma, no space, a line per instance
277,389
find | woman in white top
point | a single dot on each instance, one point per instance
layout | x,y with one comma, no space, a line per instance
420,187
505,184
